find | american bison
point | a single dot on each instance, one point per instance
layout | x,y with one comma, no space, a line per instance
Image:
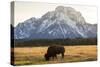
53,51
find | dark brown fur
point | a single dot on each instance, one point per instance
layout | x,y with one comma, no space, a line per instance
53,51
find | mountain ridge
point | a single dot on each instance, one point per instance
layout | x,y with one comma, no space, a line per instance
63,22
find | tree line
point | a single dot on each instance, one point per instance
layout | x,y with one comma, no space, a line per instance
48,42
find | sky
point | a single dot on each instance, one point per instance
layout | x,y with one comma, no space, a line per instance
26,10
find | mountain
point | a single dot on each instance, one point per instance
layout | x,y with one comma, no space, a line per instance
63,22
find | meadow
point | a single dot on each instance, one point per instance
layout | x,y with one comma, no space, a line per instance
35,55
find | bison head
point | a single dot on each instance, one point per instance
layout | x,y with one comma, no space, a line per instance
46,57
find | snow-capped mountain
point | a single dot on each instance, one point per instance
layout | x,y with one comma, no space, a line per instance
64,22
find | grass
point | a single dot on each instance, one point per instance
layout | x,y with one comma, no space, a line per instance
35,55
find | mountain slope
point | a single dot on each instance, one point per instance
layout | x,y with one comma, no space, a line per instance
64,22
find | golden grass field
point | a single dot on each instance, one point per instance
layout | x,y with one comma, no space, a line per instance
35,55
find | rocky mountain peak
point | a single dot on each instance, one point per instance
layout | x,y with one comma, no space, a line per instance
64,22
64,9
71,13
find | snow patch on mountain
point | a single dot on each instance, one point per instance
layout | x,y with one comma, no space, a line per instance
64,22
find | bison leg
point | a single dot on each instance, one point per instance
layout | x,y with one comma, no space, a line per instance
53,57
62,55
56,56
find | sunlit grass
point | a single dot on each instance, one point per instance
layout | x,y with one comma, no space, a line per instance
35,55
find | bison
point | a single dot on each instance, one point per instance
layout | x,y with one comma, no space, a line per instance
53,51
